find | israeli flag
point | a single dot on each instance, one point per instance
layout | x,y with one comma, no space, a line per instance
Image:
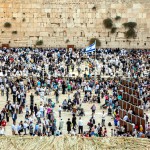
91,48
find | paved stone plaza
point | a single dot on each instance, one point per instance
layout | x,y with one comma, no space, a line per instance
65,115
61,23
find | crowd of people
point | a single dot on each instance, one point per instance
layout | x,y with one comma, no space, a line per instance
27,73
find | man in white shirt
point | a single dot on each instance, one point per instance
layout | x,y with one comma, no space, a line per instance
80,125
125,118
38,114
103,119
2,90
25,125
14,128
41,110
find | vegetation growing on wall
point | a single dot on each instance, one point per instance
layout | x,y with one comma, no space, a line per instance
7,24
108,23
130,25
67,41
113,30
130,33
23,20
94,8
117,18
92,40
39,42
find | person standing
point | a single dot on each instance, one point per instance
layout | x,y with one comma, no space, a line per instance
68,126
80,125
31,99
2,90
61,124
7,93
7,116
74,121
59,110
63,87
57,95
35,109
41,110
93,108
14,117
103,119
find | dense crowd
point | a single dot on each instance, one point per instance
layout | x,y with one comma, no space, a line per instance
49,71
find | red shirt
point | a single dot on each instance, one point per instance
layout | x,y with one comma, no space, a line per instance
3,123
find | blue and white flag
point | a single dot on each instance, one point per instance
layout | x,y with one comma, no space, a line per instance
90,48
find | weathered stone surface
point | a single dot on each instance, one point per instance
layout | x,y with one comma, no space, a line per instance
48,19
72,143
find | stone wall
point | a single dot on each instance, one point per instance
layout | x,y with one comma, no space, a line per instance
57,21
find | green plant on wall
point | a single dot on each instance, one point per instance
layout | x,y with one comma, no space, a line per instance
23,20
108,23
14,32
67,41
7,24
94,8
130,25
39,42
117,18
92,40
130,33
113,30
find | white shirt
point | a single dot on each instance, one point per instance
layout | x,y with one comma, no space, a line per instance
59,109
103,116
38,114
14,127
125,118
25,125
41,108
80,123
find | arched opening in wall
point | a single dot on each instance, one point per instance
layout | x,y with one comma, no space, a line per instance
145,44
106,43
82,34
137,43
48,15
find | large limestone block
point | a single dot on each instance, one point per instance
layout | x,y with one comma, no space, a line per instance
120,35
45,34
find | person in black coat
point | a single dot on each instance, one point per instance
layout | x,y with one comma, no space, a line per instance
7,94
35,109
63,88
32,99
92,122
74,121
68,126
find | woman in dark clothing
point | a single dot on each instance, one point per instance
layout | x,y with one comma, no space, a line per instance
74,121
7,116
63,88
68,126
35,109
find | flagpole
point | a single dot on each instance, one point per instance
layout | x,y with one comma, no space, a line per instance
95,61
